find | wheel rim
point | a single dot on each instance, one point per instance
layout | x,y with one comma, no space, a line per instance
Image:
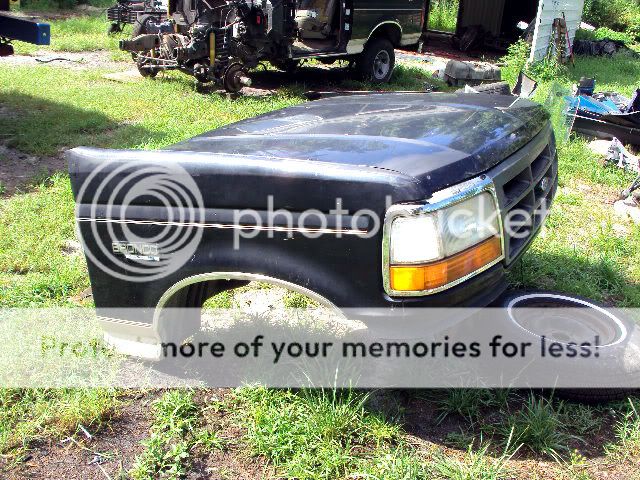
593,320
381,65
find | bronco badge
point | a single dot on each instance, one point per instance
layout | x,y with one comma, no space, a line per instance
136,251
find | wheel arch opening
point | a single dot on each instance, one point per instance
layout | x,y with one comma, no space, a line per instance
389,30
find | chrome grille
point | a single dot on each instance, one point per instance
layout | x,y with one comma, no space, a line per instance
525,185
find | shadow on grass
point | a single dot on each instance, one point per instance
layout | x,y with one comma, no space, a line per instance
533,424
335,78
35,131
38,126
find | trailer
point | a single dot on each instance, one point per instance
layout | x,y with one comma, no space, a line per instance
13,27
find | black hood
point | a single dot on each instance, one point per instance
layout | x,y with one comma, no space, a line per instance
438,139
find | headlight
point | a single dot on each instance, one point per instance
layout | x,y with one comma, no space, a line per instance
432,250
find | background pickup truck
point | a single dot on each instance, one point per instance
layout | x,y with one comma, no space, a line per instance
348,200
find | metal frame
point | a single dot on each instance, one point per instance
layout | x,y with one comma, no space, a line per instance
442,199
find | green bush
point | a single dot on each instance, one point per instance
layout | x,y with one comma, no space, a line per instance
443,15
617,15
604,32
515,61
44,5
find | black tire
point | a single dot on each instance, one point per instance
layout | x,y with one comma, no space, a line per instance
140,27
498,88
612,362
595,396
114,28
377,61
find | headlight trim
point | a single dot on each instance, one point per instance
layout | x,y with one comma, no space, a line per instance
442,199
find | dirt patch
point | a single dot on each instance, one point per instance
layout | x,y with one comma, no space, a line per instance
70,60
234,461
18,170
111,452
106,455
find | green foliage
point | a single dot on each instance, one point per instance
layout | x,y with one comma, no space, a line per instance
466,402
575,467
515,61
476,465
394,464
443,15
583,419
29,415
175,433
618,15
322,434
297,300
537,426
627,430
603,33
547,70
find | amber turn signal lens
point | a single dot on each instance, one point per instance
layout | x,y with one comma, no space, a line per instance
417,278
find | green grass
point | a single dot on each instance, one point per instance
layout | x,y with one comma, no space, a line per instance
324,435
27,415
580,249
443,15
536,425
34,269
584,419
82,33
57,107
62,5
465,402
627,430
476,465
175,435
